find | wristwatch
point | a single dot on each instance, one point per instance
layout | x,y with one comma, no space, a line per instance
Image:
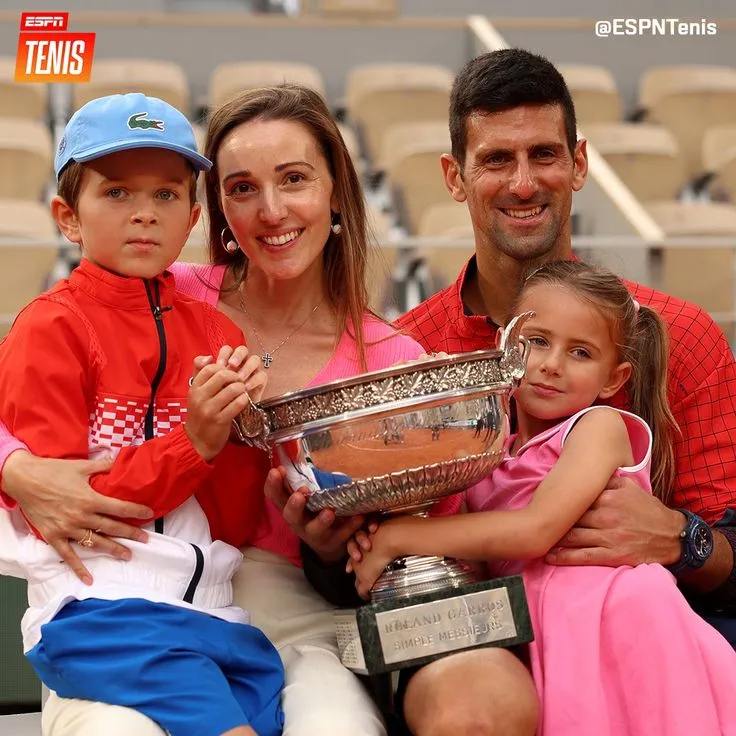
697,544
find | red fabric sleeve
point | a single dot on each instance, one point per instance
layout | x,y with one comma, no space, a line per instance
47,382
702,394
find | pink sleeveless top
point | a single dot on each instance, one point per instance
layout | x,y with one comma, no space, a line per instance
512,484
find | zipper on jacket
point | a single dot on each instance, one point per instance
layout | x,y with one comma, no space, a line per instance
154,299
197,576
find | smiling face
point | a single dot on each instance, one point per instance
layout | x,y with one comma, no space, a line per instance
518,181
573,360
277,195
134,212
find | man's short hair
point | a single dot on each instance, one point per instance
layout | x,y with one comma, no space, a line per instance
500,80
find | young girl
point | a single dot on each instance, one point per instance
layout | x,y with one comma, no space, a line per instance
617,651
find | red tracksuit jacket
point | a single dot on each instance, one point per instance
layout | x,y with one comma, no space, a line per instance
101,363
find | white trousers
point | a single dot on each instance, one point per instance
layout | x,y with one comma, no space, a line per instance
321,697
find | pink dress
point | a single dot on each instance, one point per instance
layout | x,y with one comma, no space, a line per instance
617,651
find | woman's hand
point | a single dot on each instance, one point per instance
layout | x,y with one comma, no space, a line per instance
421,358
324,532
58,501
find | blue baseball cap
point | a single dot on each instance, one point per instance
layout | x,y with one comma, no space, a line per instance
122,122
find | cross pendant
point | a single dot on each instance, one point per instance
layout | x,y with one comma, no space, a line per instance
267,359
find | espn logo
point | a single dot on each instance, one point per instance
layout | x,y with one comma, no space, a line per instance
47,52
44,21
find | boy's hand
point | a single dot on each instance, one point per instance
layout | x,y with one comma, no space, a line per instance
217,395
248,366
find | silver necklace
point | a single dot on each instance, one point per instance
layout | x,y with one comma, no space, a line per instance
267,355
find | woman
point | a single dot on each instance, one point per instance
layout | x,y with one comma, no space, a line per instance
287,240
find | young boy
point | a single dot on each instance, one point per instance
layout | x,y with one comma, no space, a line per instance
101,364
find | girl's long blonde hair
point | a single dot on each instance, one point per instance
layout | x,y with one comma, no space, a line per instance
641,338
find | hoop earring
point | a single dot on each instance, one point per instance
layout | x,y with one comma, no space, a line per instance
336,227
231,246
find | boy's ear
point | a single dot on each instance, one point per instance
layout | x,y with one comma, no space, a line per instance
619,375
194,216
66,219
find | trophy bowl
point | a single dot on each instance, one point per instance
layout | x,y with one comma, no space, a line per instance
394,441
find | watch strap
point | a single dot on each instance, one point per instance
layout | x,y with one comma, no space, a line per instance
689,560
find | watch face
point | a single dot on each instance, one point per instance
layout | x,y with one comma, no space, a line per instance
702,542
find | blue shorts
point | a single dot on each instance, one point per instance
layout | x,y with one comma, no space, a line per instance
194,674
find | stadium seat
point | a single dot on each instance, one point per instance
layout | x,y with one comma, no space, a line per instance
683,219
26,219
229,79
356,9
594,93
200,131
411,156
719,158
381,258
21,100
644,156
25,264
353,146
688,100
381,95
402,137
450,220
26,153
162,79
446,220
701,274
195,250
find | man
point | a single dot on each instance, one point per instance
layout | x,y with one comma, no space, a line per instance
515,163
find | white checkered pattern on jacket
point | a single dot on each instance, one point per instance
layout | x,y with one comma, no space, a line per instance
118,423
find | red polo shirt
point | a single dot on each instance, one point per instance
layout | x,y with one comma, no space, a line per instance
701,384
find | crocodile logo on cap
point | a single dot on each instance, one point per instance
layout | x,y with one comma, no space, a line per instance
139,120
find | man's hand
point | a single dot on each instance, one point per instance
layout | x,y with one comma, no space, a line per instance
58,501
624,526
324,532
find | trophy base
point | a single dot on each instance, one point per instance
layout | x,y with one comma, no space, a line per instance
393,634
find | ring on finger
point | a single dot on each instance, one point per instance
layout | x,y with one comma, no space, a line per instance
86,540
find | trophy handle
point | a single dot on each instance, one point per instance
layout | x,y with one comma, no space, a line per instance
251,427
513,362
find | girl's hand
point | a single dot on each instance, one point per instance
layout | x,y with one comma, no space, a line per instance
359,544
373,562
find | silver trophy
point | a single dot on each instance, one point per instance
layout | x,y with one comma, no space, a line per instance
391,442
